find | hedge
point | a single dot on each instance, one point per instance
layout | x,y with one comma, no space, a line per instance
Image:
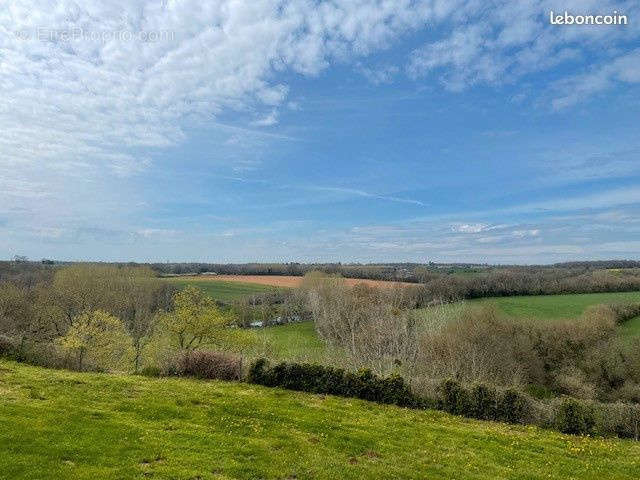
311,378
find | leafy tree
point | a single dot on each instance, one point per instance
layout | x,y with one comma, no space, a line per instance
99,340
196,320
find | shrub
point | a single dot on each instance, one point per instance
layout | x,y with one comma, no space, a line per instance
483,402
453,398
395,391
258,373
575,417
619,419
211,365
151,371
7,347
334,381
513,407
46,355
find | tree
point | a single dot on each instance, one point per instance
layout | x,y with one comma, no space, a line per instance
196,320
99,340
24,318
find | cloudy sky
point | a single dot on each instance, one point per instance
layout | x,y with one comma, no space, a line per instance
309,130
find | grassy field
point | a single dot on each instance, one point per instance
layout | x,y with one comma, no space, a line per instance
293,342
542,307
557,306
223,291
65,425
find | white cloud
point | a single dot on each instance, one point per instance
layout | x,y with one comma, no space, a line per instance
526,233
583,160
470,227
362,193
267,121
87,102
604,199
83,103
499,41
378,75
157,232
572,90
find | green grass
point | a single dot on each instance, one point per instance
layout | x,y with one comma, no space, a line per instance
293,342
224,291
631,328
557,306
541,307
65,425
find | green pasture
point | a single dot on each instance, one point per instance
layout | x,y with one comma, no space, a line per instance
556,306
67,425
224,290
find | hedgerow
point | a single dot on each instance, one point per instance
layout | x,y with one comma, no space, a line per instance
334,381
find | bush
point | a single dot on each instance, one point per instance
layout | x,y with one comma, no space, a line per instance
619,419
151,371
513,407
7,347
334,381
453,398
257,373
483,402
575,417
211,365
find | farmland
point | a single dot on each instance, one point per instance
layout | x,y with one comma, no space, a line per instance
281,280
228,288
125,426
557,306
541,307
225,291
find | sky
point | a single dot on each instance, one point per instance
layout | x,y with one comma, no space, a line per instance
309,130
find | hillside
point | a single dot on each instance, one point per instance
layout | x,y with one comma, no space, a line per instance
58,424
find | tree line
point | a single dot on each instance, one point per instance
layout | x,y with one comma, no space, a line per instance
97,317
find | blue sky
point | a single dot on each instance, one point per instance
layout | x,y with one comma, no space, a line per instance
403,130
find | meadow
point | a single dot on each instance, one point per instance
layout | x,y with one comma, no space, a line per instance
253,283
540,307
69,425
224,291
552,307
296,341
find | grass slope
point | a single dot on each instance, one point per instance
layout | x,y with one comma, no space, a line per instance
224,291
542,307
65,425
292,342
557,306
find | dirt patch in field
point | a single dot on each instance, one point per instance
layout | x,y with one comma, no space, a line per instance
288,280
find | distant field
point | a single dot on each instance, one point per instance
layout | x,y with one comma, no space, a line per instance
223,290
283,280
66,425
543,307
557,306
293,342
